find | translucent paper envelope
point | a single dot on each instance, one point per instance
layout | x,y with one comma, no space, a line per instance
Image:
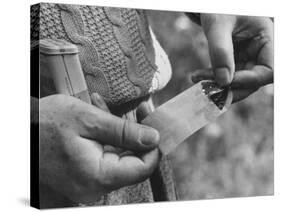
189,111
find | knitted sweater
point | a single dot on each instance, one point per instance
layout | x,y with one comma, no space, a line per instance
122,61
115,44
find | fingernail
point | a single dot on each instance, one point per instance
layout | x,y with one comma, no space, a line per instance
149,136
222,76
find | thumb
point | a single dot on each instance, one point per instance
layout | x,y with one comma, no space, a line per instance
218,30
112,130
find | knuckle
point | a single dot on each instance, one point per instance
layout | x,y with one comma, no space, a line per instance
89,121
105,179
124,133
264,37
130,135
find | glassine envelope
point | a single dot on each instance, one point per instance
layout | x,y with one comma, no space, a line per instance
189,111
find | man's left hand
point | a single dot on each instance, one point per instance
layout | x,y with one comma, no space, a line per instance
241,52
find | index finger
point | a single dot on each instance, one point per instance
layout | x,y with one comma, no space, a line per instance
260,74
112,130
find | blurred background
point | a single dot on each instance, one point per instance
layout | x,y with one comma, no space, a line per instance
232,157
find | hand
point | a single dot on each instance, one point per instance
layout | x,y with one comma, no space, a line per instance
241,52
80,148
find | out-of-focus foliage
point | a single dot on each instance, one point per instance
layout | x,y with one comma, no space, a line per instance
232,157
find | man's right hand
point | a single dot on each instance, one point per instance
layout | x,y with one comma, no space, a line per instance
82,149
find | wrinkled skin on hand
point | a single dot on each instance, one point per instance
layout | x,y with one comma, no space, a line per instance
241,52
86,152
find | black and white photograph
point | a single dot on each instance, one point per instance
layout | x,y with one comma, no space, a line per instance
133,106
